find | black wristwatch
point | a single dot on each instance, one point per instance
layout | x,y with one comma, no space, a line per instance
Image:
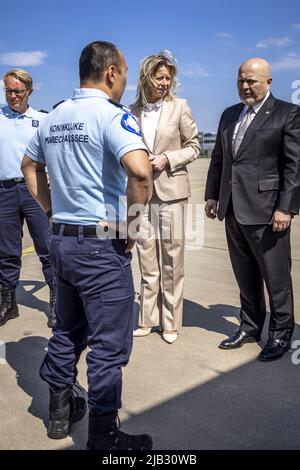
49,214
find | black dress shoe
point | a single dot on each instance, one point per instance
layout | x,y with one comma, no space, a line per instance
274,349
237,340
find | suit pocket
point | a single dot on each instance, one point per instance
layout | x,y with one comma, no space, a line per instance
270,184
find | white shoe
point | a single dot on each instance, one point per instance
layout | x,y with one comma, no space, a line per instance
142,332
170,337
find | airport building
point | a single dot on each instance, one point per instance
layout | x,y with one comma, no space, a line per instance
207,142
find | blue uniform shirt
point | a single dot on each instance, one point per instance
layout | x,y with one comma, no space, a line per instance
16,131
82,142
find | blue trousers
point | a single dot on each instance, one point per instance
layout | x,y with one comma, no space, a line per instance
95,298
16,204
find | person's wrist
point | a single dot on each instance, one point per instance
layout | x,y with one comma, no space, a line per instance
283,211
167,160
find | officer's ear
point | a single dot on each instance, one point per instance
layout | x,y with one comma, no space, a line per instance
111,73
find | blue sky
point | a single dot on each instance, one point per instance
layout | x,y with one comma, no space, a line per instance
209,39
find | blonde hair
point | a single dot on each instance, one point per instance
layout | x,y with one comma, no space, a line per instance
21,75
148,68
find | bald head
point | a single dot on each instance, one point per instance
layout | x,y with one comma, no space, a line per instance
256,65
254,80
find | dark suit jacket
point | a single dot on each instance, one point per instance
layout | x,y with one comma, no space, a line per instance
265,173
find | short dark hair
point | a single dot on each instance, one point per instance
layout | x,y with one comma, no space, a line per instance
95,58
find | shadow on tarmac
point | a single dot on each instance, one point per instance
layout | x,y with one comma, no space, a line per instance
25,357
255,406
213,318
28,299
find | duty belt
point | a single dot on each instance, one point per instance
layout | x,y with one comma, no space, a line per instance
12,182
73,230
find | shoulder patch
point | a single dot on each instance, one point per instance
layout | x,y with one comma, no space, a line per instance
130,124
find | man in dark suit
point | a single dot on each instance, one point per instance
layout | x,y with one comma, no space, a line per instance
254,183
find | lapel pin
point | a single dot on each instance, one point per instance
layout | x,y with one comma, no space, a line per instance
267,112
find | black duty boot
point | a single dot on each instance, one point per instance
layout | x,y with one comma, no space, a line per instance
104,434
52,302
64,409
8,308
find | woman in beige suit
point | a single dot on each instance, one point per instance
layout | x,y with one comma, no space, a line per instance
171,135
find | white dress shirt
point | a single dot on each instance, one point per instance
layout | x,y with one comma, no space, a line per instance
151,116
256,108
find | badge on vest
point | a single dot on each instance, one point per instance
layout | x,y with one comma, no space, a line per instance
35,123
130,124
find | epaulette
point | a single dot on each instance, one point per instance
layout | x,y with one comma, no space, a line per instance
44,111
57,104
120,105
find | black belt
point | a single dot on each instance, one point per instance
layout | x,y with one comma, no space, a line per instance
10,183
73,230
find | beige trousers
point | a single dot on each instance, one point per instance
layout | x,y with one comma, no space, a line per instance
160,250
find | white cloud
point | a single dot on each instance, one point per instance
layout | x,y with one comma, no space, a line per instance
23,59
2,94
194,70
130,88
296,26
278,42
289,62
37,86
224,35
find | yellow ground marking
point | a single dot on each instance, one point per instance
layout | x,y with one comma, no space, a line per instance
198,189
26,251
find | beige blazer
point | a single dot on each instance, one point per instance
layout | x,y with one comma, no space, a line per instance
177,138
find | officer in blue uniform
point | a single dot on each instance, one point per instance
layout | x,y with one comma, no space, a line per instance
90,145
18,123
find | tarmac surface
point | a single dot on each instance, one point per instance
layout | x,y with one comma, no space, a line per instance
189,395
